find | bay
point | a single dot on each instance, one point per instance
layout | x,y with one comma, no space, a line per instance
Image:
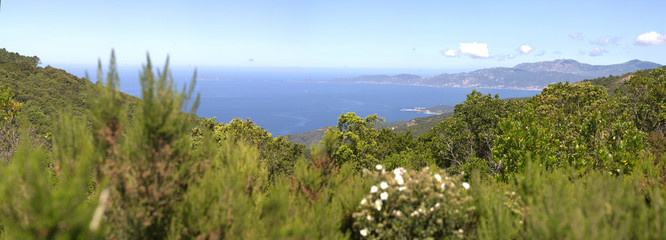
295,100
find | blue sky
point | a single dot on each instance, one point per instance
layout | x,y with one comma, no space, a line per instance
448,35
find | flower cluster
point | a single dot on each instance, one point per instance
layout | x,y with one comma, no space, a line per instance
414,204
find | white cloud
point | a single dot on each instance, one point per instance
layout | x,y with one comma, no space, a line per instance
475,50
450,53
525,49
651,38
576,35
597,52
605,41
543,52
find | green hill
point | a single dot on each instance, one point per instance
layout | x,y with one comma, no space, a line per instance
46,91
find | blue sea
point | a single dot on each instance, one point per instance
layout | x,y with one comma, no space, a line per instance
295,100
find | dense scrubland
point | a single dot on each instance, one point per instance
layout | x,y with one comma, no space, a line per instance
84,161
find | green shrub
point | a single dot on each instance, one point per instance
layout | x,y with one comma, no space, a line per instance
569,125
598,205
501,209
47,195
406,204
223,203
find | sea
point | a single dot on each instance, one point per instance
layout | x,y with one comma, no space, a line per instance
295,100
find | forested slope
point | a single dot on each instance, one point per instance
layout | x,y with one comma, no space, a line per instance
45,91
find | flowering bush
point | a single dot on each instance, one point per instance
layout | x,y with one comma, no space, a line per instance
415,204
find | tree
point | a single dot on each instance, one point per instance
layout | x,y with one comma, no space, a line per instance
644,97
470,132
353,140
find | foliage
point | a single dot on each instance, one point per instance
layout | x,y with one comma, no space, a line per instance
415,204
611,83
417,126
595,206
643,96
276,154
45,91
9,111
49,198
223,202
353,141
471,132
410,158
569,125
149,166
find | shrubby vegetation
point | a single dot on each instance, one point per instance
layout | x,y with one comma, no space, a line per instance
415,204
570,163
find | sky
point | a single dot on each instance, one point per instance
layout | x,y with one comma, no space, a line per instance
449,35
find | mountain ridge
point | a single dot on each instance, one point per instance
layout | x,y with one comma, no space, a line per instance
526,76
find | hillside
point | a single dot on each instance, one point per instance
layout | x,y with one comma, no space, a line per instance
530,76
416,126
45,91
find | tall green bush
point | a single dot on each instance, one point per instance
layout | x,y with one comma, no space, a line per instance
48,195
148,164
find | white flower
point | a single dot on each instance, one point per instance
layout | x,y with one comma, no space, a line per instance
369,218
364,232
465,185
373,189
378,205
443,186
397,213
384,195
402,188
399,179
460,230
379,167
436,204
438,177
363,202
399,171
414,214
383,185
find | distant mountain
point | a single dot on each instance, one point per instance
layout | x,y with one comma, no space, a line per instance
533,76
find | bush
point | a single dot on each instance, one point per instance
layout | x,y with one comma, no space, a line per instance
415,204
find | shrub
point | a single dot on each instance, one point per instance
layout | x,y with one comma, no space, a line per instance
415,204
